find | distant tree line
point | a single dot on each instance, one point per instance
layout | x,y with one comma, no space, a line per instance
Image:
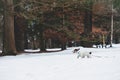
46,24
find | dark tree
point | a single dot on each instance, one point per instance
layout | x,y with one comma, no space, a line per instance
9,47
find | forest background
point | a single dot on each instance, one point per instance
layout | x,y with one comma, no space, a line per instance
33,24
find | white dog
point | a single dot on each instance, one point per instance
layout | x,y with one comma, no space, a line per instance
84,54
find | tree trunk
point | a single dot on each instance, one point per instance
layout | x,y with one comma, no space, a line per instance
26,46
9,47
112,17
19,33
63,46
116,38
42,40
88,19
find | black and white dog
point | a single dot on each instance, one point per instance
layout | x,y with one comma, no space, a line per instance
84,54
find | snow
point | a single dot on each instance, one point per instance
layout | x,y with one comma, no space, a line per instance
64,65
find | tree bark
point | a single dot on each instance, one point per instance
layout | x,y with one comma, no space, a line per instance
88,19
26,44
42,40
19,33
9,47
112,17
63,46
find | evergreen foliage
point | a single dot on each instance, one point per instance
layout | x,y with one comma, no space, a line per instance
66,20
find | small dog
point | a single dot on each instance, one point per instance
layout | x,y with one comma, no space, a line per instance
76,50
84,54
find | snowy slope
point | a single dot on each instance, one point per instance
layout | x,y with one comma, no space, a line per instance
64,65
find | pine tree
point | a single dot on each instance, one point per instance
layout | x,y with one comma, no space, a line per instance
9,47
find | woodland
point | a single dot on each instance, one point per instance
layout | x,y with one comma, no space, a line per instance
43,24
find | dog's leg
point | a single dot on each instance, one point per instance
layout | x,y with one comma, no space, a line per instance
83,56
88,56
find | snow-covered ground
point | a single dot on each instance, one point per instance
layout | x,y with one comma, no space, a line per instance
63,65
